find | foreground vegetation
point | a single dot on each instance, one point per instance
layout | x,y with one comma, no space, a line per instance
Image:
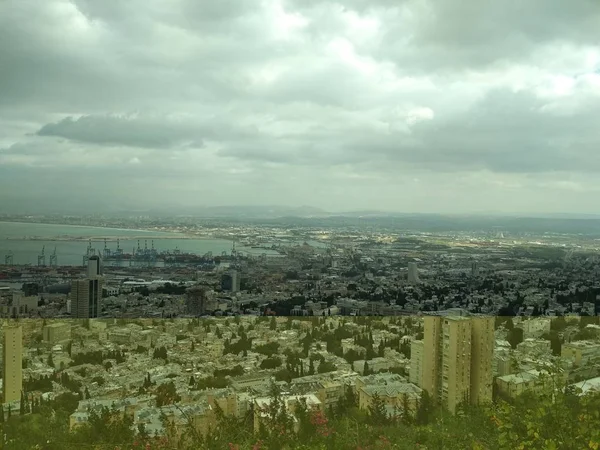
560,420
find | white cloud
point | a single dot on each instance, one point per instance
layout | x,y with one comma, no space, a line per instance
340,105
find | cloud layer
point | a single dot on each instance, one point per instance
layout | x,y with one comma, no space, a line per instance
412,105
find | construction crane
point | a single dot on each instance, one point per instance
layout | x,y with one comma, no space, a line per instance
8,258
53,261
42,257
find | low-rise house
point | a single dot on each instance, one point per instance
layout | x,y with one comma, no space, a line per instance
581,352
397,396
532,380
291,402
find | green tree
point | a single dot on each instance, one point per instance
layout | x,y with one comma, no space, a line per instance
424,409
509,324
271,363
366,369
22,404
377,411
276,420
326,366
166,394
555,342
561,419
515,337
108,426
348,402
406,410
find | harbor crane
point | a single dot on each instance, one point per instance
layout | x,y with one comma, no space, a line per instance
42,257
53,261
8,258
106,251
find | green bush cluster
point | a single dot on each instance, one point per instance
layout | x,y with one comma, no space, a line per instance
561,420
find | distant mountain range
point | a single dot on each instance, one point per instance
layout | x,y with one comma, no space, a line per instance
288,213
241,212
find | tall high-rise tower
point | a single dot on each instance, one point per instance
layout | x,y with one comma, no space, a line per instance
432,343
474,269
86,293
482,359
413,273
231,281
196,300
12,378
457,359
94,267
456,362
235,281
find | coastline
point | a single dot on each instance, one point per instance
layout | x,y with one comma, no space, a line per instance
84,226
112,238
148,234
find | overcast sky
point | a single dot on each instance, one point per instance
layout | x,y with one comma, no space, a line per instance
412,106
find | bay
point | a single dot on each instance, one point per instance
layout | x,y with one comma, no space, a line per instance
26,241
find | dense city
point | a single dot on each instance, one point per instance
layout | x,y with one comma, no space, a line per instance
393,330
299,225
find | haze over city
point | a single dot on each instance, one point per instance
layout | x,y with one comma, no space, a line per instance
413,106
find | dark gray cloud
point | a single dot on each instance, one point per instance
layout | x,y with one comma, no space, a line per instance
337,104
119,131
148,130
504,132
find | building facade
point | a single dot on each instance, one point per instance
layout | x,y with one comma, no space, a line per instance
581,352
458,359
12,377
482,359
56,333
86,293
413,273
416,362
196,301
85,298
